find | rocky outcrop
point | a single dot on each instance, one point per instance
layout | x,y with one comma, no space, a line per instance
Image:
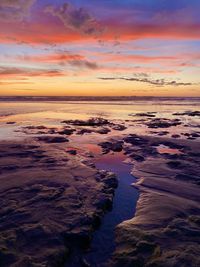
165,231
51,202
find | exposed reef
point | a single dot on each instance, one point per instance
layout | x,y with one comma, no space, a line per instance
163,123
143,114
51,202
188,113
79,127
166,228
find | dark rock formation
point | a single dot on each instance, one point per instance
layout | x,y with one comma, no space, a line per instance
116,146
188,113
52,139
163,123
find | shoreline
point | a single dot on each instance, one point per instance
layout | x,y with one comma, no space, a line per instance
95,98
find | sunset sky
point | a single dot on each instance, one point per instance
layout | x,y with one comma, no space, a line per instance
100,47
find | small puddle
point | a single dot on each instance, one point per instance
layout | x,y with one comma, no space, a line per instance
124,205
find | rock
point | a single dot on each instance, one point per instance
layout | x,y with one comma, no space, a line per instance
96,221
187,113
109,146
172,144
82,239
103,130
51,210
191,136
111,180
144,114
58,257
7,258
66,132
32,127
10,122
162,133
106,145
145,246
137,157
72,152
83,131
147,114
117,147
174,164
119,127
135,140
163,123
91,122
104,203
52,139
176,136
195,135
161,232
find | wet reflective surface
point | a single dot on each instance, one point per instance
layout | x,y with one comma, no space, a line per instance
124,205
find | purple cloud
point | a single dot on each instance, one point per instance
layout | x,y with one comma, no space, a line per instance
15,10
77,19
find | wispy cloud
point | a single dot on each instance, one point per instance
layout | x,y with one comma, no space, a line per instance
14,83
138,58
157,82
15,10
84,64
62,59
77,19
6,72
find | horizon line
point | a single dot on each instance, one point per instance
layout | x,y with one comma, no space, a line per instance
91,97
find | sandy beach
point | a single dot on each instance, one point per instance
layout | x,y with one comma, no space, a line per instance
58,187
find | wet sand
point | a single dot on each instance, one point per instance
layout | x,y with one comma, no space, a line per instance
166,227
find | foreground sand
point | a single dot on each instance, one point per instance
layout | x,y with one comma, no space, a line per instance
166,228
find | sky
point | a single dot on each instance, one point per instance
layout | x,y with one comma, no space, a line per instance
100,47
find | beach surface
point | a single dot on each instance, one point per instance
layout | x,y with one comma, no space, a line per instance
59,183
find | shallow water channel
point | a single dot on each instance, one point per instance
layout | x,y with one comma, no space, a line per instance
124,205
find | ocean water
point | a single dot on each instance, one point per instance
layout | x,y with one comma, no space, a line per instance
53,112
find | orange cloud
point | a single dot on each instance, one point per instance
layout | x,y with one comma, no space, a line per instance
49,32
61,59
52,58
7,72
138,58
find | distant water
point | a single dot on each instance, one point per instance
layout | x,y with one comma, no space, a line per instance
112,109
95,98
52,113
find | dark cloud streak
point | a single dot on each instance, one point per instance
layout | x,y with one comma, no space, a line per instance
157,82
84,64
